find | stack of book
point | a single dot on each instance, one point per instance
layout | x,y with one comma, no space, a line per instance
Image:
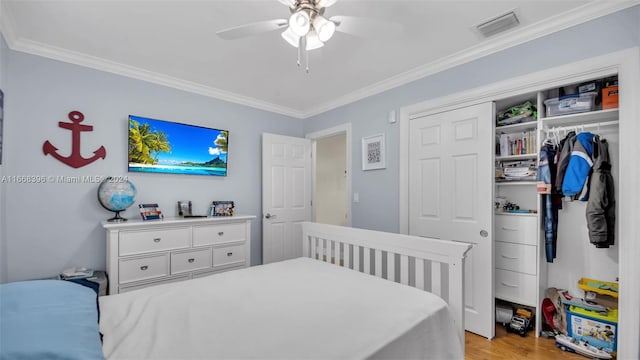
516,170
77,273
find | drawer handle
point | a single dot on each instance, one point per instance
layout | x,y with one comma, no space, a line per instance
157,240
509,229
191,260
144,267
508,257
508,285
220,233
229,253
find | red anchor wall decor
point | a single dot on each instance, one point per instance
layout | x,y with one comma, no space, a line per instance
75,159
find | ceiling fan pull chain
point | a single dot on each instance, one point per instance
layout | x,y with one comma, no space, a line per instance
299,47
302,51
307,60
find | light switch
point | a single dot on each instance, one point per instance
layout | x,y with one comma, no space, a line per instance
356,197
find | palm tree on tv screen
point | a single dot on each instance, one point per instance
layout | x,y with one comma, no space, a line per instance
145,145
221,141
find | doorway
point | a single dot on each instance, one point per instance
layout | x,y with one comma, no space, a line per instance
331,175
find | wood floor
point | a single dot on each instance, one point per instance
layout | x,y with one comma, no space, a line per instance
509,346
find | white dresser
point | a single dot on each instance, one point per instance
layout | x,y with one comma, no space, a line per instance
148,253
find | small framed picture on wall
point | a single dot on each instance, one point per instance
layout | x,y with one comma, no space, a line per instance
373,152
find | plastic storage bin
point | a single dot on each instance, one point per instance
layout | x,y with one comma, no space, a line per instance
593,327
570,104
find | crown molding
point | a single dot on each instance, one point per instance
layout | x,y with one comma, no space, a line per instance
113,67
72,57
553,24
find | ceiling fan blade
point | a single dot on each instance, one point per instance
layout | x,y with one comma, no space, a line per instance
325,3
366,27
252,29
289,3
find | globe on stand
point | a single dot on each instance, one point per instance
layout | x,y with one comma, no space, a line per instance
116,195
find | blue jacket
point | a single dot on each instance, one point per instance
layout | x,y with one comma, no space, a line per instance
580,163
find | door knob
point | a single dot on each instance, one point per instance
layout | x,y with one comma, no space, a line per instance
269,216
484,233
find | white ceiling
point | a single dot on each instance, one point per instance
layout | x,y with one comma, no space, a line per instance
174,43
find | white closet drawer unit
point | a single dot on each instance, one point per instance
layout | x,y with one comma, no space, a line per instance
517,287
143,268
142,286
228,255
219,233
138,242
516,229
189,261
516,257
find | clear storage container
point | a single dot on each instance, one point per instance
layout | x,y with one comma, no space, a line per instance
570,104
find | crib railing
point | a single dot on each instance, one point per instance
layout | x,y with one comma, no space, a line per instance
428,264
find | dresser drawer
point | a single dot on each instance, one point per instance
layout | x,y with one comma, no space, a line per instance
516,287
516,257
154,283
216,234
228,255
143,268
137,242
516,229
206,273
189,261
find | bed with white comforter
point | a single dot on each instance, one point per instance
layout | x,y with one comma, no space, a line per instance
295,309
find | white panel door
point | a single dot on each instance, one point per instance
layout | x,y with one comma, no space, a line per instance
450,177
286,195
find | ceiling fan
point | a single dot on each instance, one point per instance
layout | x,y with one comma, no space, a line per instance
307,28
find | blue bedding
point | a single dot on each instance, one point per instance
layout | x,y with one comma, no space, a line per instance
48,319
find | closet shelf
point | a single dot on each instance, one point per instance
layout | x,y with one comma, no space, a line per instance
515,182
508,129
516,214
590,117
517,157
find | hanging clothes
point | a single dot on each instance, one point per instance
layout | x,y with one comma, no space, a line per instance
575,183
547,174
602,202
565,147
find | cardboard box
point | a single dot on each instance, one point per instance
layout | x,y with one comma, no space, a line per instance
593,327
610,97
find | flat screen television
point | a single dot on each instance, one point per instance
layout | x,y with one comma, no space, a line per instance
158,146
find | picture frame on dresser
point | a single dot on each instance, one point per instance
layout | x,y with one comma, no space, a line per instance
222,208
150,212
184,208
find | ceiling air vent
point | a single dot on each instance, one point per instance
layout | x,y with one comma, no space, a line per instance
498,24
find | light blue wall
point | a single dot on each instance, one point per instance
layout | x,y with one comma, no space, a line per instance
378,190
3,249
52,226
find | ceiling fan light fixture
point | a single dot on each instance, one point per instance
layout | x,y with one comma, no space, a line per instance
313,41
291,37
325,28
300,22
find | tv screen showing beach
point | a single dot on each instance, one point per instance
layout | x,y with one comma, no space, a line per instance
157,146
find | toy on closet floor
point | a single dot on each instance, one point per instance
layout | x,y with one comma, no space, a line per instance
520,322
582,303
570,344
